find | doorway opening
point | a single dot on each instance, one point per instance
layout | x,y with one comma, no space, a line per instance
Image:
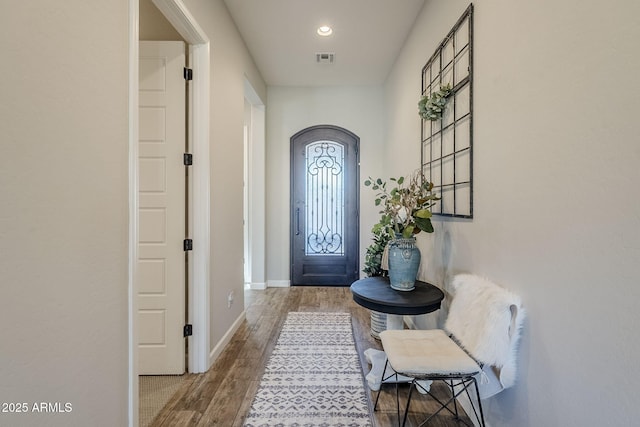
199,57
254,190
324,206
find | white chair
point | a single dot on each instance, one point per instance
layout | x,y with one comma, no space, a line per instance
482,329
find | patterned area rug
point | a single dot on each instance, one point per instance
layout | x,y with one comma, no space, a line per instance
313,377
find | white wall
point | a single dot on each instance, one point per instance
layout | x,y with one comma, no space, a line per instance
230,66
64,210
557,219
291,109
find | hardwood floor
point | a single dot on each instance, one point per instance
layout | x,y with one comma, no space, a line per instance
223,395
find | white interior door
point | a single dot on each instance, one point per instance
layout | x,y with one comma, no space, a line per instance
161,259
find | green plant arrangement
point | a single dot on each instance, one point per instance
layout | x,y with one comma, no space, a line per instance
431,107
382,234
406,206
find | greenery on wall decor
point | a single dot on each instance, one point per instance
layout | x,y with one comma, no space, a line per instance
446,112
431,107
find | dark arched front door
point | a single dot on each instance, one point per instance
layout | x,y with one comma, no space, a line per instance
324,206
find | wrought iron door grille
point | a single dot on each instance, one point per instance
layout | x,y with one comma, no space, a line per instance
324,202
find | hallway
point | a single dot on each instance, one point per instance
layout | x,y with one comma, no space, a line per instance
223,395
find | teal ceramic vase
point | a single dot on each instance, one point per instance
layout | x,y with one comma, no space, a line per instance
404,261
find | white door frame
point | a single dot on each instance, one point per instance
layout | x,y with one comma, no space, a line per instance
199,53
255,199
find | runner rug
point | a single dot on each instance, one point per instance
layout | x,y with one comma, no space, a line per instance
313,377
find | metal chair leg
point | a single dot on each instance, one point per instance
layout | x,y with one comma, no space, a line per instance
475,383
406,411
395,374
386,363
455,404
397,401
465,384
375,406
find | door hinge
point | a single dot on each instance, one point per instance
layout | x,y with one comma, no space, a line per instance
187,244
187,331
188,73
187,159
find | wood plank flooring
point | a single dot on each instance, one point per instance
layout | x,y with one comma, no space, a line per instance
223,395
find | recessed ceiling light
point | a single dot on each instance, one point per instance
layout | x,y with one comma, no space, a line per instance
325,31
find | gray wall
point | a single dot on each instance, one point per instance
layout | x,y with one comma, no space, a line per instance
64,210
230,66
154,26
557,218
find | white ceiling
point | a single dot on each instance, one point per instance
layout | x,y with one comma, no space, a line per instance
281,36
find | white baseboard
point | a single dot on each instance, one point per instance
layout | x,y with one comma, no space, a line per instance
278,283
217,350
257,286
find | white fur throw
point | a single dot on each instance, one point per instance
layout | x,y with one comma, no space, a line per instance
486,319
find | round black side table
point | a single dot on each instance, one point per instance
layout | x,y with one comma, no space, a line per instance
375,294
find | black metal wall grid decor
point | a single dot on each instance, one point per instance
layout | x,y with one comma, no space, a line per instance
447,142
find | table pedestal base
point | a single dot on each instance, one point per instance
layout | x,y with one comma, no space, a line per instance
395,321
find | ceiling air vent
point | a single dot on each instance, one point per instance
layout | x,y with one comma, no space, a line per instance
325,57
